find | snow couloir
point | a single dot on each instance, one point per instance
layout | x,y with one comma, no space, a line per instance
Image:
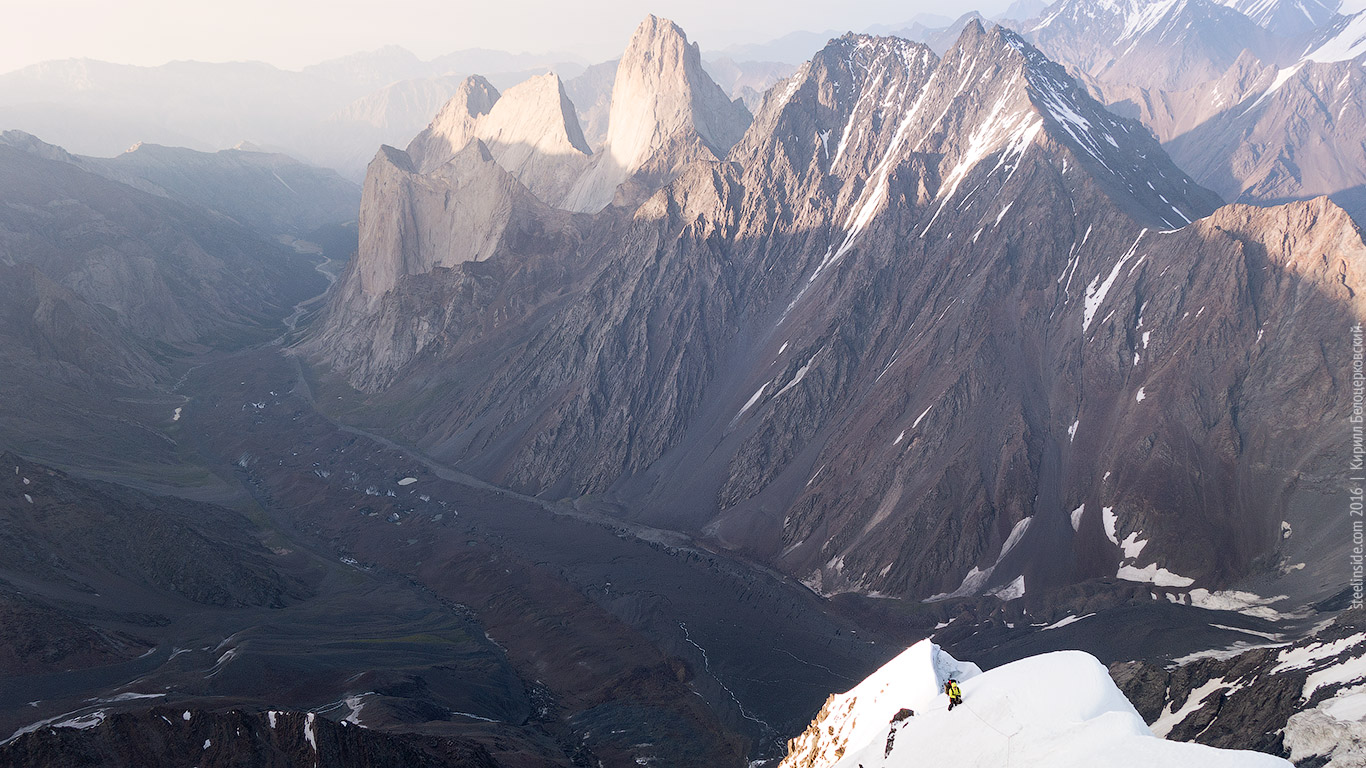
1056,710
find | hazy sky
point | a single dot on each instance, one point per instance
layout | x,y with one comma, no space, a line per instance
293,33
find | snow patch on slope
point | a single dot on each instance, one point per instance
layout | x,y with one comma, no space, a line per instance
1241,602
1107,516
977,579
1309,655
1097,290
1346,42
1153,574
1195,700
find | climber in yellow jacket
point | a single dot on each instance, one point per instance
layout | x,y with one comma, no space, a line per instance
954,692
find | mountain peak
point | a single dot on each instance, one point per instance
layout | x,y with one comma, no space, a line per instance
470,196
476,95
653,26
820,120
974,28
27,142
1124,157
533,132
395,157
661,89
537,113
455,124
666,111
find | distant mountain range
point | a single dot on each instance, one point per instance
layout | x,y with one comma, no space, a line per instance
331,114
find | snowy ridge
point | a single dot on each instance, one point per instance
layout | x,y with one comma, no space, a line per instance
914,679
1123,19
1057,710
1281,78
1284,16
1111,141
1013,133
1145,19
1025,97
1344,41
874,65
877,68
1116,23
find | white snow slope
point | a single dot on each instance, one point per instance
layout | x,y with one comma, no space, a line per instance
1057,710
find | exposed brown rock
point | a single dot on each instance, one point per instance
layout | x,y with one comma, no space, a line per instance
925,302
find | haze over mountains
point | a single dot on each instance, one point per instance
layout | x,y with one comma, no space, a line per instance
652,403
331,114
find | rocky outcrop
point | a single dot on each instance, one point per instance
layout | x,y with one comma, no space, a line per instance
661,89
455,125
532,131
666,111
409,222
412,225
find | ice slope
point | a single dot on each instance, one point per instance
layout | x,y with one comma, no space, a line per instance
1051,711
913,679
1344,41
